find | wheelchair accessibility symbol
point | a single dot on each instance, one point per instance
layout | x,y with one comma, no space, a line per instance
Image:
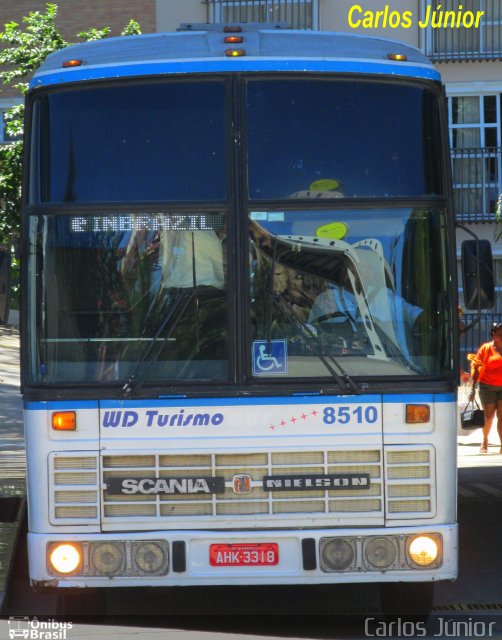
270,357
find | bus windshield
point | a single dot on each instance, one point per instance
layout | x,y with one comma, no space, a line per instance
361,286
177,239
110,285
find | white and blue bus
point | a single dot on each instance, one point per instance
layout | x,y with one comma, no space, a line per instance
238,314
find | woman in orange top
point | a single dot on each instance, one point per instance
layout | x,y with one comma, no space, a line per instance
486,367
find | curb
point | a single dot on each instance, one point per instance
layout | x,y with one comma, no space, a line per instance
9,535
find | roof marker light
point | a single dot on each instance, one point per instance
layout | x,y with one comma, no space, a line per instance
234,53
233,39
399,57
232,29
71,63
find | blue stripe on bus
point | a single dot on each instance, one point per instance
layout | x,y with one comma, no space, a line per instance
419,398
61,405
100,72
234,402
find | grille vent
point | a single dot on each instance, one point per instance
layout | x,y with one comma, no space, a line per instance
410,482
265,504
74,488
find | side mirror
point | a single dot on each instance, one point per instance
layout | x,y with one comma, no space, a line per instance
477,273
4,284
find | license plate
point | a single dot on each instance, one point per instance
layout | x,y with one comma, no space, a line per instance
244,555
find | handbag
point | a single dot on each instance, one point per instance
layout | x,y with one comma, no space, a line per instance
472,418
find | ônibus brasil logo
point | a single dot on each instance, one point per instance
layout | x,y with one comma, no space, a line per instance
23,627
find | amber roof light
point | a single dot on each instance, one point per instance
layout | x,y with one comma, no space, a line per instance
71,63
234,53
399,57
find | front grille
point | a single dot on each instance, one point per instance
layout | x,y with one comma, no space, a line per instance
410,489
410,482
257,502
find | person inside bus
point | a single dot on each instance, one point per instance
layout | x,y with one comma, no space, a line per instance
336,309
486,370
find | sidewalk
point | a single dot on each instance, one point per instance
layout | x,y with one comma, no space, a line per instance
12,449
470,441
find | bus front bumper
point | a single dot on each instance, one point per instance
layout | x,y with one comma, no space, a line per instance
177,558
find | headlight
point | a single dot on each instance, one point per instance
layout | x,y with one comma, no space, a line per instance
150,557
108,558
380,553
64,558
424,550
337,554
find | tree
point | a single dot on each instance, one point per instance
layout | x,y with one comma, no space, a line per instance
25,48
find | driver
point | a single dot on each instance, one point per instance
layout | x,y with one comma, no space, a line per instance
336,308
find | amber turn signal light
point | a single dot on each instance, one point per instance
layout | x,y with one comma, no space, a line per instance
416,413
64,421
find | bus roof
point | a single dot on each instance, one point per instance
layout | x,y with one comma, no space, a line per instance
202,49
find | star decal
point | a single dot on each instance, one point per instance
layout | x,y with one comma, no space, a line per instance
294,419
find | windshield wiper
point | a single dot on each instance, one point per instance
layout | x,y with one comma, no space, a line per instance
329,361
177,311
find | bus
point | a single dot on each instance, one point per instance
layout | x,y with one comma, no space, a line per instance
239,314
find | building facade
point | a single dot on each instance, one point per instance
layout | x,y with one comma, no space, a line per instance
463,38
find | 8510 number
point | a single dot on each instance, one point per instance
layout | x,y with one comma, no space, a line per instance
343,414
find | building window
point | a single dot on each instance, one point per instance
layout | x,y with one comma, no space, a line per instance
298,14
3,132
4,136
457,40
475,137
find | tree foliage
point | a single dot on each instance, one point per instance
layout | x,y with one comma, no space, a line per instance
25,47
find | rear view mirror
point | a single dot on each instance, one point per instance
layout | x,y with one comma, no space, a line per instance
4,284
477,271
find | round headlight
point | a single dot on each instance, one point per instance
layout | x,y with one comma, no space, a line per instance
65,558
337,554
423,550
108,558
380,553
150,557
